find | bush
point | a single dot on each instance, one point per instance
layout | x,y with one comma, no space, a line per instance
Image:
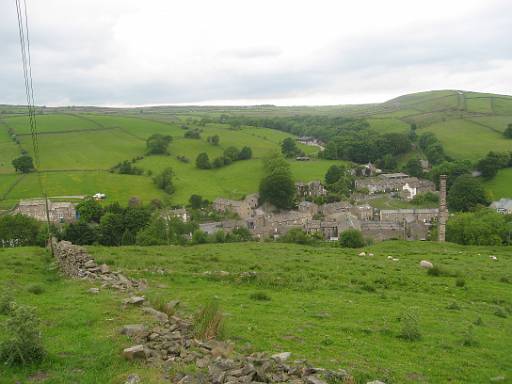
260,296
410,326
23,344
209,322
352,238
35,289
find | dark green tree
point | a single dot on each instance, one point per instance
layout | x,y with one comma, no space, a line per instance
484,227
452,170
231,153
80,233
508,132
220,161
19,228
196,201
157,144
111,229
466,194
203,161
214,140
245,153
333,174
23,164
413,167
278,189
164,181
289,147
352,238
128,238
89,210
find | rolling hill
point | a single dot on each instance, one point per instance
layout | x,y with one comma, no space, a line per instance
78,145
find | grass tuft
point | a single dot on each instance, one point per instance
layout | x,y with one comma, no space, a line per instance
410,325
209,322
260,296
35,289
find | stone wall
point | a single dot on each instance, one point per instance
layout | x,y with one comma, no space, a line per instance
75,262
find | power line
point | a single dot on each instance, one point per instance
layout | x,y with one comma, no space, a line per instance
21,10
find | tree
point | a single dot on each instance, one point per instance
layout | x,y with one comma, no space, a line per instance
128,238
219,162
276,163
466,194
89,210
203,161
452,170
196,201
214,140
289,147
111,229
414,168
484,227
80,233
493,162
23,164
20,228
333,174
164,180
245,153
157,144
278,189
508,132
352,238
199,237
232,153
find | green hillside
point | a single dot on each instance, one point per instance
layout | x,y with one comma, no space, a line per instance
323,304
77,150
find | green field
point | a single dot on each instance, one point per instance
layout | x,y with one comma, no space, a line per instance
501,185
328,305
464,139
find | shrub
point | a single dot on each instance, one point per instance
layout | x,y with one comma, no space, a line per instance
35,289
209,322
23,344
410,326
352,238
260,296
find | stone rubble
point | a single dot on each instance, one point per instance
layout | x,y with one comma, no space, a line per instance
75,262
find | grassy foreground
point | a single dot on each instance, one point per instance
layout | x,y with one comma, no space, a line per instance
326,304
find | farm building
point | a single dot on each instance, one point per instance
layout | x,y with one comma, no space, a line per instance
503,206
59,212
407,186
311,189
241,208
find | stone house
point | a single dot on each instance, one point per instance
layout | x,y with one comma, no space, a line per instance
335,208
59,212
252,200
241,208
380,231
395,182
419,215
363,212
308,207
180,213
311,189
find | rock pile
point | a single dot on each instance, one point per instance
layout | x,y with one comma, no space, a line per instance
74,261
173,343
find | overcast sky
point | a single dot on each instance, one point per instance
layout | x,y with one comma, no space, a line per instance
285,52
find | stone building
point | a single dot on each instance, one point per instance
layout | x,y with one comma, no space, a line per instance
241,208
59,212
380,231
407,186
308,207
420,215
311,189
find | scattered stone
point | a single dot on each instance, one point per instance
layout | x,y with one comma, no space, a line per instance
371,254
426,264
132,379
281,357
134,300
492,257
314,380
104,268
171,306
133,330
396,259
135,352
94,291
90,264
160,316
362,254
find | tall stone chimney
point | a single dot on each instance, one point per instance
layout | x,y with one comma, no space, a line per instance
443,211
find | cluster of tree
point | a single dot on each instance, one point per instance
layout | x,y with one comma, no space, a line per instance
425,198
289,148
231,154
164,182
493,162
238,235
22,230
214,140
508,132
362,145
23,164
183,158
127,168
466,194
483,227
432,147
158,144
413,167
338,180
298,236
192,134
277,186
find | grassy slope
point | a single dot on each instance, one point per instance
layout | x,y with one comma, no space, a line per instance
97,142
327,304
501,185
80,331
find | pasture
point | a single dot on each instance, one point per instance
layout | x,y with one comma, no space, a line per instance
501,185
326,304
